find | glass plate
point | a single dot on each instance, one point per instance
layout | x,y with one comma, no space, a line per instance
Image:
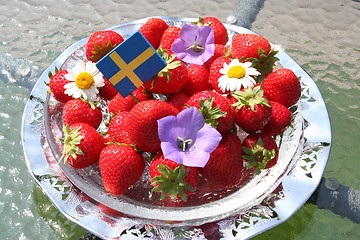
303,154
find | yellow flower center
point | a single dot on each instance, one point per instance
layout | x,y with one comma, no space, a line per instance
84,80
236,72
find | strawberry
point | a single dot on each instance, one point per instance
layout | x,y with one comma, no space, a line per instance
82,145
220,32
120,103
101,43
153,29
178,100
280,119
169,36
78,110
282,86
214,73
198,80
225,166
120,167
171,79
142,123
252,111
57,83
108,91
247,45
172,179
260,151
215,108
117,130
219,51
257,49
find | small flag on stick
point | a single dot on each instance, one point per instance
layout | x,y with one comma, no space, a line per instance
131,64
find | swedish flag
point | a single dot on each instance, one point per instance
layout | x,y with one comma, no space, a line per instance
131,64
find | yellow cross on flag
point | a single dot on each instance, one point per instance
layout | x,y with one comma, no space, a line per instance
131,64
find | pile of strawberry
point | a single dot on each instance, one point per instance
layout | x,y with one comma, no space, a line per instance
261,111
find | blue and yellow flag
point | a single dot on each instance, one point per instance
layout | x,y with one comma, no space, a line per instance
131,64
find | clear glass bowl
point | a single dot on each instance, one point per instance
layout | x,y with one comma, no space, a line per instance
139,202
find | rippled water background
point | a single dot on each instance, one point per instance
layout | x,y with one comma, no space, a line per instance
322,36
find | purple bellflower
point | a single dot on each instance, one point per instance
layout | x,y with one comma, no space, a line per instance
195,44
186,139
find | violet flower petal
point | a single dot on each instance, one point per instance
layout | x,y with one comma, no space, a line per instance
197,158
167,128
187,125
205,35
208,138
191,121
190,34
171,152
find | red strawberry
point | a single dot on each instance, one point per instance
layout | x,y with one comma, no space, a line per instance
198,80
57,83
171,79
172,179
77,110
245,45
282,86
219,51
153,30
142,123
108,91
280,119
215,108
117,130
120,103
252,111
225,166
120,167
101,43
260,151
214,73
178,100
169,36
220,32
257,49
82,145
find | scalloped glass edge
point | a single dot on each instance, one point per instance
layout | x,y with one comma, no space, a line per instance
308,112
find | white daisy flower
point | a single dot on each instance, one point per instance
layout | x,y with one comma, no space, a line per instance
236,75
85,79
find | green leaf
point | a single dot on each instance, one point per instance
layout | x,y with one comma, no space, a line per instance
210,113
171,182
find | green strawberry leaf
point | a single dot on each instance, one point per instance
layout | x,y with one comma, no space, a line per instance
265,63
250,97
171,182
257,156
210,113
71,141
